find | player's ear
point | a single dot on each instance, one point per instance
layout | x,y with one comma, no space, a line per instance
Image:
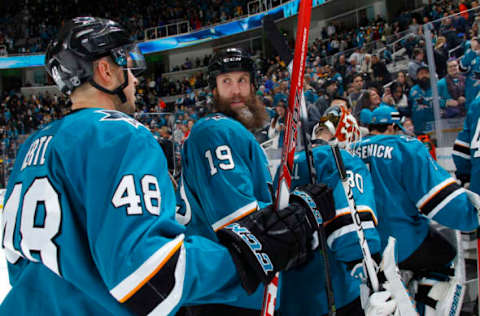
103,71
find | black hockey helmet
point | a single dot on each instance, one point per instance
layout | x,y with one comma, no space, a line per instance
228,60
82,40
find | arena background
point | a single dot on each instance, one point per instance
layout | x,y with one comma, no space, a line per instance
173,91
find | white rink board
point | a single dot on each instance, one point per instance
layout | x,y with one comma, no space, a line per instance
444,158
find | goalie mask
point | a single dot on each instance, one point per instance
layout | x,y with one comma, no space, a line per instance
70,56
340,123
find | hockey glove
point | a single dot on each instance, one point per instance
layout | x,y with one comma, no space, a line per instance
268,241
317,199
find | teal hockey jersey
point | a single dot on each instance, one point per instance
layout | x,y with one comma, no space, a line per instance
411,189
470,65
303,289
225,177
89,226
466,154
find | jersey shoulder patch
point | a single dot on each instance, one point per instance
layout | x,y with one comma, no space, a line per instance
112,115
103,124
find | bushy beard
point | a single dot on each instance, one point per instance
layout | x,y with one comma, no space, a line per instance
424,83
253,116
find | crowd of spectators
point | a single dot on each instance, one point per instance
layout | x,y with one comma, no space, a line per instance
196,62
20,116
26,26
163,86
334,43
360,75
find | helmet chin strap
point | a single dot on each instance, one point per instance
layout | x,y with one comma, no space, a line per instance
117,91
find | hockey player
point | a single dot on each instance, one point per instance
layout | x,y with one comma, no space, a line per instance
470,64
411,189
89,218
225,172
466,149
344,252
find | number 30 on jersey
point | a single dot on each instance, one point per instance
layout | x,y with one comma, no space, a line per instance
355,180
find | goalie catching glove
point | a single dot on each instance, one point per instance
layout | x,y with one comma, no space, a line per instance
268,241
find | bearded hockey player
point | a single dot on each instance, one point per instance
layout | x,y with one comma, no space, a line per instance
89,219
225,174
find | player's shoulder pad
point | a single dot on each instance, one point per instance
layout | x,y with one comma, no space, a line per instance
104,124
216,121
322,152
410,146
398,141
218,126
408,140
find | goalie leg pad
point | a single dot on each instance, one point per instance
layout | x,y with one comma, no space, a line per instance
444,298
394,284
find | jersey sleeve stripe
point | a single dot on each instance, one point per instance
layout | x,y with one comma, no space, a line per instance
445,201
433,204
235,216
462,148
460,154
346,220
164,291
434,191
462,143
131,284
346,211
346,230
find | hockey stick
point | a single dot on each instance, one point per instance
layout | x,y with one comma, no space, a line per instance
332,309
292,118
368,264
280,45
